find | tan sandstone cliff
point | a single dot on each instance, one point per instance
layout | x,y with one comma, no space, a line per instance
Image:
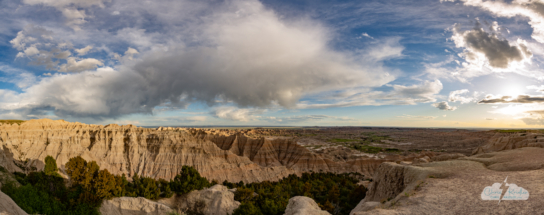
160,153
125,149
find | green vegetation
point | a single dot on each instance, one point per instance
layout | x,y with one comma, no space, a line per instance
338,140
512,131
367,148
336,193
46,192
372,137
51,166
11,121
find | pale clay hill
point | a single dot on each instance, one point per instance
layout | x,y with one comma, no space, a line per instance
161,153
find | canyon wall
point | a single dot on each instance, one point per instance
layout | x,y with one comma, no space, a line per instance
125,150
161,153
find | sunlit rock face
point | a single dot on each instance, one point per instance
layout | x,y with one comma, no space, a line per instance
126,150
161,153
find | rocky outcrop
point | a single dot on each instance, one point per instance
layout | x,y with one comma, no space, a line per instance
302,205
8,206
455,186
133,206
501,142
216,200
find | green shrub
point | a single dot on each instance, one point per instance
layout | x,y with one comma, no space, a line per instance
247,208
51,166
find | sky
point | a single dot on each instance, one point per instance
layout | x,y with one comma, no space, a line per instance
425,63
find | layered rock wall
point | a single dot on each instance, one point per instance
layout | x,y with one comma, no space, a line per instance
161,153
125,150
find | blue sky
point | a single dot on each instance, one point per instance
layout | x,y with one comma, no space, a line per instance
435,63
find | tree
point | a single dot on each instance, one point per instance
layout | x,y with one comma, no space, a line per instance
104,184
243,194
334,193
91,171
75,168
51,166
148,188
188,180
121,184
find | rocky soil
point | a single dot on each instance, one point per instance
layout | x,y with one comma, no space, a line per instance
455,186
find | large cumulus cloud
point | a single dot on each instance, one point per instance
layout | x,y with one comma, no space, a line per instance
245,54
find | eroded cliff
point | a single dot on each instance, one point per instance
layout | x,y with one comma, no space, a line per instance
161,153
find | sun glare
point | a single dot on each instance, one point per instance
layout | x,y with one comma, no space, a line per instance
513,90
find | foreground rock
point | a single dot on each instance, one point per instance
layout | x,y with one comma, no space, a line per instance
216,200
455,186
133,206
302,205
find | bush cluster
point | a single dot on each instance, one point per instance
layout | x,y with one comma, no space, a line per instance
335,193
45,192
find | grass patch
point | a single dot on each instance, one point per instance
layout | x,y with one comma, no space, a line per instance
512,131
11,121
367,148
339,140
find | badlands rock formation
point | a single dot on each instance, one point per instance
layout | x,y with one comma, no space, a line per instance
160,153
133,206
217,200
125,149
455,186
302,205
502,141
277,152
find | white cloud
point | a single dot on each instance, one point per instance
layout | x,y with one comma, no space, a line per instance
83,51
444,106
129,54
364,34
73,65
539,89
31,51
400,95
236,114
456,96
69,8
